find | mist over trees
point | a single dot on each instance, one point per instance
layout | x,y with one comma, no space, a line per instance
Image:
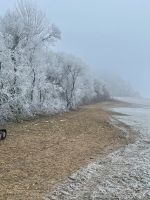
33,79
118,87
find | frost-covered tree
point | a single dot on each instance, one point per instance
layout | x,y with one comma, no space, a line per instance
94,90
66,75
101,92
33,79
24,32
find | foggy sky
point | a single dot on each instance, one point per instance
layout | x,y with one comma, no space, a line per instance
108,34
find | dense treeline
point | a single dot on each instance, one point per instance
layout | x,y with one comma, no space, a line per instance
33,79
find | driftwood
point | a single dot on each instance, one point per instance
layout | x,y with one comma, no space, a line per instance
3,134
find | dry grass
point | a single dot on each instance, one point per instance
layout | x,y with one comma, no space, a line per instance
40,153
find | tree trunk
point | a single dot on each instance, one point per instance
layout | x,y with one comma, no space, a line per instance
33,84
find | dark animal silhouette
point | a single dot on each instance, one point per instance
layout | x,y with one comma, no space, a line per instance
3,134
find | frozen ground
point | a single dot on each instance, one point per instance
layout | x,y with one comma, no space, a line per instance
124,174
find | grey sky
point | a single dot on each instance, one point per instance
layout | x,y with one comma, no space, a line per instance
108,34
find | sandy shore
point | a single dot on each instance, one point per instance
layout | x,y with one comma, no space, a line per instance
39,154
121,175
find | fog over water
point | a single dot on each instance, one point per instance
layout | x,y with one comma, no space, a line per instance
110,35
